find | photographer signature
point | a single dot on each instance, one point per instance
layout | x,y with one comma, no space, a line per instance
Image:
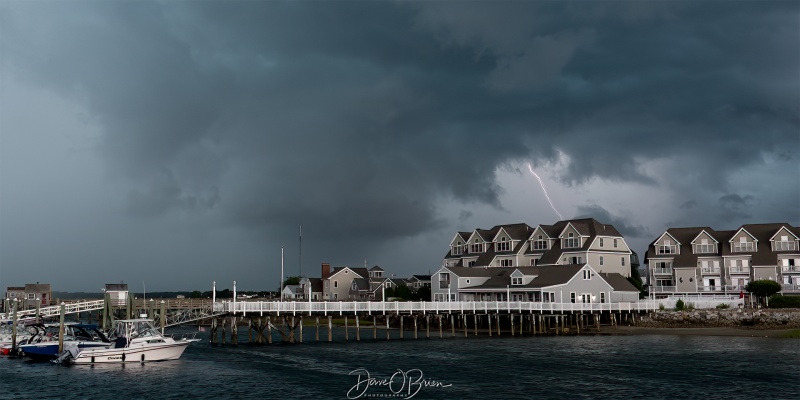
405,384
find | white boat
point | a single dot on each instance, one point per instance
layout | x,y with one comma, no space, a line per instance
135,340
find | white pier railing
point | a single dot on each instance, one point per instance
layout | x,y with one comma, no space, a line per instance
411,307
69,308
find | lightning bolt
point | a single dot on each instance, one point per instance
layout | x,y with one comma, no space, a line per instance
545,193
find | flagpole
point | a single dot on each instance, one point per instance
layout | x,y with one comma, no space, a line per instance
281,293
301,251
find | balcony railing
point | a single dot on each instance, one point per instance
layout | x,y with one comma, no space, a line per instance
784,246
790,268
710,271
662,289
662,271
571,243
791,287
540,245
705,248
739,270
444,284
718,288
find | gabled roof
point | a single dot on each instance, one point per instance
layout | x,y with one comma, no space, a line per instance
376,268
618,282
117,287
745,231
464,236
422,278
788,228
37,287
514,231
707,231
362,285
360,272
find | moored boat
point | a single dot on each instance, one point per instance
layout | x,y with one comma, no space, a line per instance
44,345
135,340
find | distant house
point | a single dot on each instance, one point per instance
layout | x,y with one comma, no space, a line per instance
291,292
419,281
29,293
312,286
117,293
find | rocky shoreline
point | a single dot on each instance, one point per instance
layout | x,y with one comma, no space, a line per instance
767,319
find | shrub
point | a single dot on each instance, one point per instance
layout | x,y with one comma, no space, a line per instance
723,306
680,305
661,306
690,306
780,301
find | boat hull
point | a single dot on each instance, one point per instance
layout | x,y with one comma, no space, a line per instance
132,354
49,351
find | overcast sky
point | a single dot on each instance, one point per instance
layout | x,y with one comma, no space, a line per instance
172,144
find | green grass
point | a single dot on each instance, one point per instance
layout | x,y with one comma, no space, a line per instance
793,334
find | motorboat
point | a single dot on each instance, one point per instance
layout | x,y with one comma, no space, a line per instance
133,340
43,346
23,335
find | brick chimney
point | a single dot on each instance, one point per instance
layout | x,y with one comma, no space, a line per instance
326,270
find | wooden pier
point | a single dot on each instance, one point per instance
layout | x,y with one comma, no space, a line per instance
447,319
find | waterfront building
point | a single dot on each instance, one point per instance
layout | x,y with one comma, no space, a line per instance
117,293
570,242
701,260
571,283
30,293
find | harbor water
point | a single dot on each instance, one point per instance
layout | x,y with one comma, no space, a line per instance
602,366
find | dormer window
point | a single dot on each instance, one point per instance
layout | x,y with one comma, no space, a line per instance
705,247
507,262
784,244
503,245
601,242
743,245
571,241
516,281
587,274
667,248
540,243
476,247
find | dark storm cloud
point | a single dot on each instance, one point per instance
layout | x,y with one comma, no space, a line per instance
359,119
625,227
688,205
736,207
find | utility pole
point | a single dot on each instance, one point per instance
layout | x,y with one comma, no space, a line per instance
281,291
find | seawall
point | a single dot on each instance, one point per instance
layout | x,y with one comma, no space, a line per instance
748,318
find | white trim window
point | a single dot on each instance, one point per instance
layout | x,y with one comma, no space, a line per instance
667,248
533,261
602,297
503,245
784,244
587,274
615,243
601,261
571,241
336,284
516,281
622,259
506,262
601,244
743,245
476,247
540,243
572,297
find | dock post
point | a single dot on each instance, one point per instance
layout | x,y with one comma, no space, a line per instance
269,330
374,328
415,327
489,323
498,324
401,327
301,329
475,317
234,332
387,328
428,326
223,331
440,326
317,328
15,322
452,325
330,328
60,326
464,321
39,314
511,323
358,329
597,321
163,315
346,333
213,330
250,331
